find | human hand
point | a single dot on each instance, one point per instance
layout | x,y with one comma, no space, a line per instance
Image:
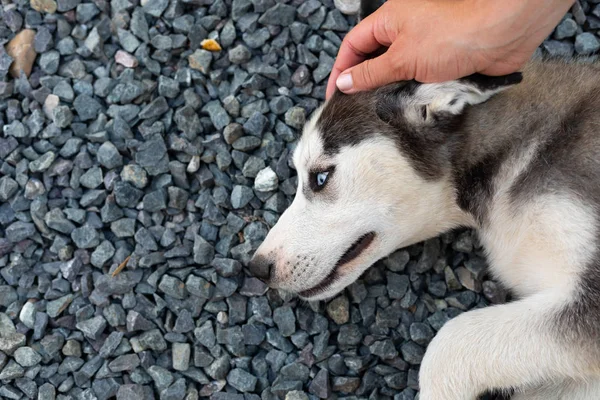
440,40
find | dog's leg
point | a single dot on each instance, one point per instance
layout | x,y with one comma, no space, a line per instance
512,345
567,390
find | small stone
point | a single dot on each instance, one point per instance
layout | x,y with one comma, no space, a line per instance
181,356
55,307
451,279
184,323
153,340
21,49
12,370
92,328
266,180
87,107
566,29
46,392
239,54
241,380
86,12
127,362
92,178
168,87
349,335
467,279
172,287
174,392
152,156
319,386
345,384
421,333
338,310
85,237
199,287
412,353
67,5
200,60
18,231
5,62
156,108
295,117
324,68
586,43
578,13
126,59
241,196
384,349
72,348
135,391
285,319
335,21
218,115
109,156
124,227
279,14
46,6
348,7
42,163
8,187
137,322
102,254
177,198
27,357
154,7
397,285
27,314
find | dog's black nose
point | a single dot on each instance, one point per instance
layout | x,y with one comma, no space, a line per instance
260,267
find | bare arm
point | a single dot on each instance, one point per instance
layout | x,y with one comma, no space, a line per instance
438,40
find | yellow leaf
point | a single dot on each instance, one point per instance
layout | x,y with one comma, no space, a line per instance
210,45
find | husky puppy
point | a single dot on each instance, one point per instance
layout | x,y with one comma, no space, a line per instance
515,157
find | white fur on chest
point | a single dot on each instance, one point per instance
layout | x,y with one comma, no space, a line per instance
539,243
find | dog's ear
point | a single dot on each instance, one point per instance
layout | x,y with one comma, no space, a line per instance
432,103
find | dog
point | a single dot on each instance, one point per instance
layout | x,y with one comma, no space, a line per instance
515,157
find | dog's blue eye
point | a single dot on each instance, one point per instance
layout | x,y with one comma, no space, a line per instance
322,178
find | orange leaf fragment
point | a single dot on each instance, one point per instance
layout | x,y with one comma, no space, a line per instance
210,45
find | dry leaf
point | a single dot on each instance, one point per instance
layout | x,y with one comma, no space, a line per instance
210,45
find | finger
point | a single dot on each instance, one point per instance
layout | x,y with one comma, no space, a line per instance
372,74
333,76
363,40
331,84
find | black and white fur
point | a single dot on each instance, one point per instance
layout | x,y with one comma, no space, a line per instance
515,157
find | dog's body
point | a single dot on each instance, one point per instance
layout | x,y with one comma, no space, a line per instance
519,162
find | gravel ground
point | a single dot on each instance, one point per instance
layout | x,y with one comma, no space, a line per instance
140,167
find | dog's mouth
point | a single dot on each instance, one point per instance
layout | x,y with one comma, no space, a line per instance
352,253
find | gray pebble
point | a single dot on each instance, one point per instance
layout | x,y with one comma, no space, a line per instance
241,380
181,356
27,357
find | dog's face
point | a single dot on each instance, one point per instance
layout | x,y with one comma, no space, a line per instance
362,191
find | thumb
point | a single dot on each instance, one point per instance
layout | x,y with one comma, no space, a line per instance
369,74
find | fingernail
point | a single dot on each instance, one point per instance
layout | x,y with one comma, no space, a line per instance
344,82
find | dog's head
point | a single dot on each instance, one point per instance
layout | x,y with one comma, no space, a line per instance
373,176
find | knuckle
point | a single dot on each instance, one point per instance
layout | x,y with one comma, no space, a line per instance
367,77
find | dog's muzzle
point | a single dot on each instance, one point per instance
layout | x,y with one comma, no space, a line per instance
261,267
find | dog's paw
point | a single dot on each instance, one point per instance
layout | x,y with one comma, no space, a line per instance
447,370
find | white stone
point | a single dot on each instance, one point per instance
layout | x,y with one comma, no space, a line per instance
348,7
266,180
27,315
52,101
